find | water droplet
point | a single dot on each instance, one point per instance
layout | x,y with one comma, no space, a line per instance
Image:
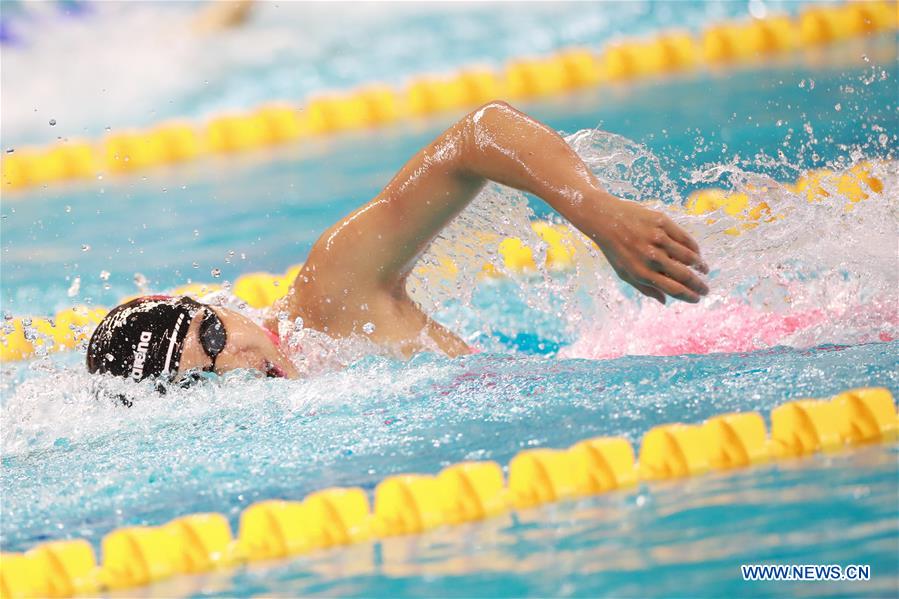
10,150
368,328
104,275
838,107
68,209
74,288
110,357
85,247
196,265
140,280
52,122
216,272
196,232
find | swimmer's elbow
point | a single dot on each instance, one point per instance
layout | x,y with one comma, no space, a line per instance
480,128
489,115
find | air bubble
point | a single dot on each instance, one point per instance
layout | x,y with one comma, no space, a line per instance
85,247
368,328
52,122
104,275
216,272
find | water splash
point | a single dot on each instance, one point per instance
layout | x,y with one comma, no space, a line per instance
806,273
817,272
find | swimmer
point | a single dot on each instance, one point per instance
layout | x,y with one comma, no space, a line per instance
356,272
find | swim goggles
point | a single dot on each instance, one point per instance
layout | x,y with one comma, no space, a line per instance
213,336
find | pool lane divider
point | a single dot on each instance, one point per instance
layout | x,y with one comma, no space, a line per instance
24,337
408,504
667,52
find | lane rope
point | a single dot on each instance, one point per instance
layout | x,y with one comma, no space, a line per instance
24,337
719,45
409,504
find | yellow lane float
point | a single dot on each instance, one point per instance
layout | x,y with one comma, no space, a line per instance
377,104
736,440
539,476
273,529
603,464
474,491
806,426
410,504
673,451
71,326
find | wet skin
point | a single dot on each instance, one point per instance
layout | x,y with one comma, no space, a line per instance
356,272
247,346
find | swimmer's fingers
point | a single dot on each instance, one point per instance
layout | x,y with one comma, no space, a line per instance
647,290
678,234
650,291
674,289
682,274
664,282
683,254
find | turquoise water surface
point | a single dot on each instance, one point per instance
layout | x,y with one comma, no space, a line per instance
804,306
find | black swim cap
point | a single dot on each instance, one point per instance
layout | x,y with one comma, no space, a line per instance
142,338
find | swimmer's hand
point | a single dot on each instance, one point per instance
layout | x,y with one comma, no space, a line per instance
646,248
355,275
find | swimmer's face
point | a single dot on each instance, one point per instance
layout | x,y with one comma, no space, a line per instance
247,346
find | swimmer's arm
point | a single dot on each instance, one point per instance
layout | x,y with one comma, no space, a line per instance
374,249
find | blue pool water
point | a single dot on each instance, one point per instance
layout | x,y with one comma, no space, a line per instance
76,466
85,468
141,63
